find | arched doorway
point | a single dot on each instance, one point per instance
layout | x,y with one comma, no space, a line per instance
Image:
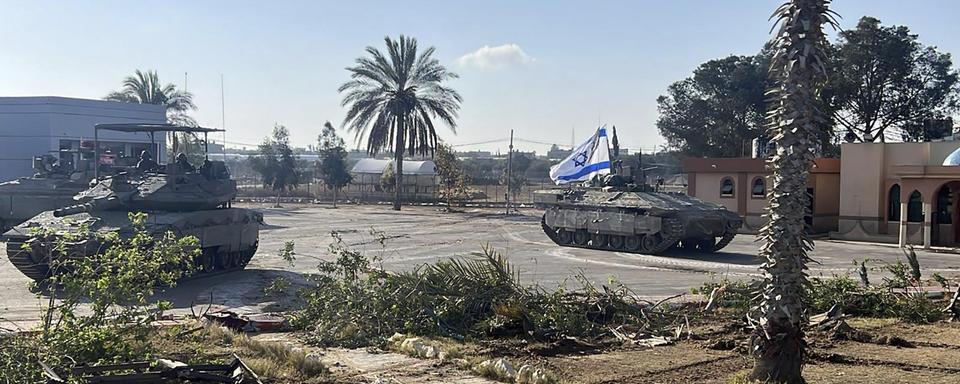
945,229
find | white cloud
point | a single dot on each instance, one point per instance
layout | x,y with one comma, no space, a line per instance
501,56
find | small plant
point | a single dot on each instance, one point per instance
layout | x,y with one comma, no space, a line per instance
287,252
277,287
862,272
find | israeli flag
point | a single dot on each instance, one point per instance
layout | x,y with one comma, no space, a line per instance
587,160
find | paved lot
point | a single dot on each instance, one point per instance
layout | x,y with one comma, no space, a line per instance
421,234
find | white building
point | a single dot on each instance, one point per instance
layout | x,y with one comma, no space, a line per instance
419,179
63,127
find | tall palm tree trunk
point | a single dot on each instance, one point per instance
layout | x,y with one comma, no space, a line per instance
398,163
795,120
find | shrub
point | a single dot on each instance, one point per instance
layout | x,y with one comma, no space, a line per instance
114,287
357,303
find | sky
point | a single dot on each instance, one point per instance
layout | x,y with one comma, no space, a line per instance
549,70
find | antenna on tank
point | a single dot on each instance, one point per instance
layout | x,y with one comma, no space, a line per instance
223,120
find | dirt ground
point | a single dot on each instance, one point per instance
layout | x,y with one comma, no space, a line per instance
716,354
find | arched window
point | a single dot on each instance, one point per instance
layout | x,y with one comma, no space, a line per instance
893,203
727,187
944,205
915,208
759,189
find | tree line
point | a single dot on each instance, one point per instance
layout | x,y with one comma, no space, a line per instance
883,84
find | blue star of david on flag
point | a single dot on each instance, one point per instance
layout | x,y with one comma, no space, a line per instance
586,161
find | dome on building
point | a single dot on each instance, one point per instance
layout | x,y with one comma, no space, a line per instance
953,158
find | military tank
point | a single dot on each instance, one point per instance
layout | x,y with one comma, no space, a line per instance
611,214
50,187
176,197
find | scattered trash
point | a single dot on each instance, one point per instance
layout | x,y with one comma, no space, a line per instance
496,368
161,371
653,341
834,314
529,374
953,308
262,322
416,347
629,335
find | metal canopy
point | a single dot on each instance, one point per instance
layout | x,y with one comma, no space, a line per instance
154,128
150,129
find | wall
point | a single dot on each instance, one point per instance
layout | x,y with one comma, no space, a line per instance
868,172
32,126
705,176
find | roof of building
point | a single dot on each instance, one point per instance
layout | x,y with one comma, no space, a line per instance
138,127
746,164
377,166
953,158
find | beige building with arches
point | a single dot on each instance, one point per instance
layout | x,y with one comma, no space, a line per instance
740,185
903,193
900,193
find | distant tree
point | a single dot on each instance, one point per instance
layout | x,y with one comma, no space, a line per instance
518,177
276,163
388,180
927,129
882,77
717,111
453,177
394,98
332,165
144,87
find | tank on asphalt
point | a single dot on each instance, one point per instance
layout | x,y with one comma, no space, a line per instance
49,188
177,198
610,214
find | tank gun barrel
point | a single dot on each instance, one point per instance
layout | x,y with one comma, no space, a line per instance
72,210
96,204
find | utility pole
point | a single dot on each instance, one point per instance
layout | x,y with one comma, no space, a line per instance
223,120
509,171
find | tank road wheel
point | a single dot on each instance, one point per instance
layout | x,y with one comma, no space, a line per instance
633,243
236,259
208,259
599,240
706,245
616,242
648,243
564,236
224,261
581,237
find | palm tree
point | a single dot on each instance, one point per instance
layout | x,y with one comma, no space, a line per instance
795,121
394,98
145,88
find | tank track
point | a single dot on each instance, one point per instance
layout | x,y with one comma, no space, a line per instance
670,234
24,261
724,240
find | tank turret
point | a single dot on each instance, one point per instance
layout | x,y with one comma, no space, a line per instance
53,185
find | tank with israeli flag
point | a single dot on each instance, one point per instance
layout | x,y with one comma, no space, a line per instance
587,160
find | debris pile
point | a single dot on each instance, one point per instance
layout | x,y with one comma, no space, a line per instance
160,371
356,303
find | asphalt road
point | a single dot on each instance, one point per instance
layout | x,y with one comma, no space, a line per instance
420,235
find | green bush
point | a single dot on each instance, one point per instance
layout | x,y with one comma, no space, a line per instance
98,309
